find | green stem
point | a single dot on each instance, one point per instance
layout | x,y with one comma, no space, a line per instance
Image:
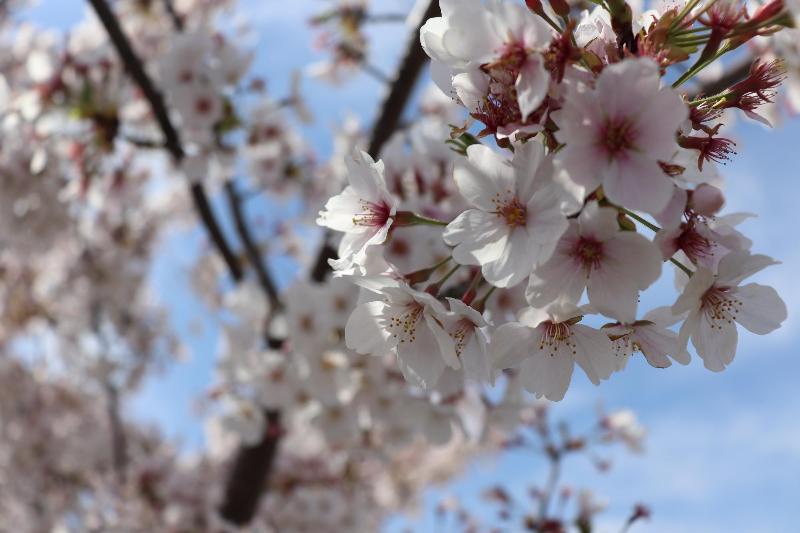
409,218
550,21
441,263
680,265
687,31
434,288
655,228
687,43
480,304
700,65
682,15
640,219
422,275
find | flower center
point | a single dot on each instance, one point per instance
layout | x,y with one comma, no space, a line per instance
461,334
515,213
616,136
694,245
589,252
499,107
512,211
625,346
203,105
306,323
720,306
403,325
557,334
372,214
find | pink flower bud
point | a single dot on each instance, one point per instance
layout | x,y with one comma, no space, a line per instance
707,200
535,6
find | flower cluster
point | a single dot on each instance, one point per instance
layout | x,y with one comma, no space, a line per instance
602,151
498,250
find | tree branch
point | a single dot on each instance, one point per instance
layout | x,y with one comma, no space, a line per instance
250,474
172,142
253,464
177,21
402,86
263,274
119,442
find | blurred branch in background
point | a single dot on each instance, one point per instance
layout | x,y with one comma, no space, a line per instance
252,464
265,278
172,141
734,73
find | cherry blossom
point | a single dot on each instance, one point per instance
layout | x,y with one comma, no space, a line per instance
595,254
470,332
405,321
649,336
545,345
617,132
717,302
492,55
364,210
516,222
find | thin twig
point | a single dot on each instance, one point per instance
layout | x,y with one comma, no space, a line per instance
172,143
386,17
375,72
251,248
177,21
551,485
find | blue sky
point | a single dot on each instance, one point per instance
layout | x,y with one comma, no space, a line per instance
723,451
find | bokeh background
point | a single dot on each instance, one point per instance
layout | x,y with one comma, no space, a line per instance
723,450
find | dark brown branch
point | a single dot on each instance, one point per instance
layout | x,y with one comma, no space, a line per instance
402,86
252,465
119,442
250,474
253,254
326,251
177,21
172,142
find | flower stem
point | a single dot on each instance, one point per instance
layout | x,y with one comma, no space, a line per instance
685,11
481,304
720,96
435,287
655,228
640,219
700,65
422,275
408,218
680,265
472,290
